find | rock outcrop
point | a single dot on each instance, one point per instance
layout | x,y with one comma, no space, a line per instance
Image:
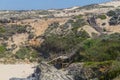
45,71
93,23
79,72
75,71
51,73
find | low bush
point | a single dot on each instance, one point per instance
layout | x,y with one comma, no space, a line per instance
111,13
57,44
7,31
26,53
106,70
2,51
102,17
102,49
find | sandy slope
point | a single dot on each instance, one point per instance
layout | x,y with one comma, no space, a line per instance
40,25
8,71
115,3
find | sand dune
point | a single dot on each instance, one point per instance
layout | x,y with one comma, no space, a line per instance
8,71
115,3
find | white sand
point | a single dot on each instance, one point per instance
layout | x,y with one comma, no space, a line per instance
8,71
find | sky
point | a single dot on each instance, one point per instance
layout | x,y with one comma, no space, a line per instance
44,4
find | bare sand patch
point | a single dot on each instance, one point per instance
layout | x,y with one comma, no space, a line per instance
8,71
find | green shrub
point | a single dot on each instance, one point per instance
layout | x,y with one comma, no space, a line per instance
78,17
2,51
98,64
62,44
21,54
2,30
20,29
77,24
111,69
111,13
28,53
102,17
101,49
113,72
7,31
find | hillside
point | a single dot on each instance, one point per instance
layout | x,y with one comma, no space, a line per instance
78,43
115,3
